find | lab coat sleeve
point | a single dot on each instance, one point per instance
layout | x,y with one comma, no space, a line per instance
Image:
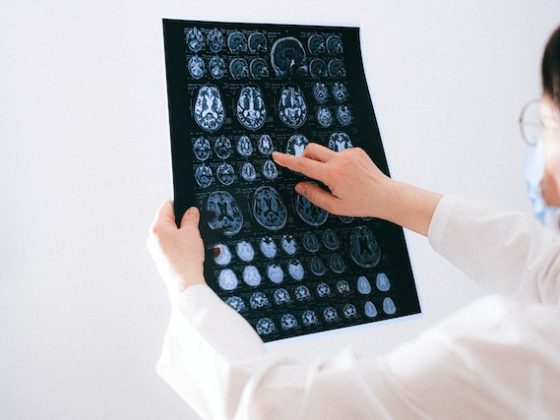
458,369
217,363
509,252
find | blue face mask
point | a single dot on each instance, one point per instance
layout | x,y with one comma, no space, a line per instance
534,173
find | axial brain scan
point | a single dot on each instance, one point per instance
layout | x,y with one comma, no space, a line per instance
269,209
238,92
209,111
292,108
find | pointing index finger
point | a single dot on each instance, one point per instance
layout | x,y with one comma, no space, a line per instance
309,167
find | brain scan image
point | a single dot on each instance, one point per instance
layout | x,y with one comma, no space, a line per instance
237,92
268,208
339,142
265,326
215,40
330,239
318,68
267,247
204,176
320,92
289,244
302,293
349,311
281,297
236,303
244,146
258,68
323,290
223,213
257,43
292,109
225,173
309,318
269,169
336,263
310,242
209,111
217,67
324,117
194,39
370,310
227,279
389,306
238,68
251,110
237,43
309,212
343,115
342,287
251,276
296,144
339,92
275,273
222,147
202,149
258,300
317,266
196,67
288,57
265,145
382,282
330,314
295,269
336,68
288,322
248,172
245,251
334,44
223,254
364,248
316,44
363,285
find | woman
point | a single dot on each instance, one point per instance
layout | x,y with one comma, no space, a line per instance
499,357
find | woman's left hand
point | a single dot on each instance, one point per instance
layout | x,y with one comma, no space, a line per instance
177,252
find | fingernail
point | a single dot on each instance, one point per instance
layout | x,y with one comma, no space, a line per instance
299,188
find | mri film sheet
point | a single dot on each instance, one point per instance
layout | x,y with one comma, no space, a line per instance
236,93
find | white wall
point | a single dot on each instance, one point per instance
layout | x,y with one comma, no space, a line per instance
85,161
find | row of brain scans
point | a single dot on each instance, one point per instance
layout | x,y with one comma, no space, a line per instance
223,148
257,68
256,42
287,54
251,110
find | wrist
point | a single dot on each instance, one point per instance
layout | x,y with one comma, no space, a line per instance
392,196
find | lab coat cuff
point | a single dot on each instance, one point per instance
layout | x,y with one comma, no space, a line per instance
440,220
217,324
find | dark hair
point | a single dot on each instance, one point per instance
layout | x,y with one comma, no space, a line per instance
550,69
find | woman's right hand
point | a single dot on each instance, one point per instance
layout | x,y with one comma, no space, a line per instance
357,186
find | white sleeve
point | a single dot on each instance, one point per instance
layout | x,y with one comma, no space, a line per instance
462,368
509,252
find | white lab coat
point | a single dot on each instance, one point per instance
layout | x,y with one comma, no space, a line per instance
499,357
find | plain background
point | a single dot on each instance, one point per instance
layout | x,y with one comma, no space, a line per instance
85,162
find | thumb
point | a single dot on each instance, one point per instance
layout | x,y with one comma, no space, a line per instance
190,218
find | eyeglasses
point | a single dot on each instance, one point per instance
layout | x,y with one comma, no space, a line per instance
531,124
